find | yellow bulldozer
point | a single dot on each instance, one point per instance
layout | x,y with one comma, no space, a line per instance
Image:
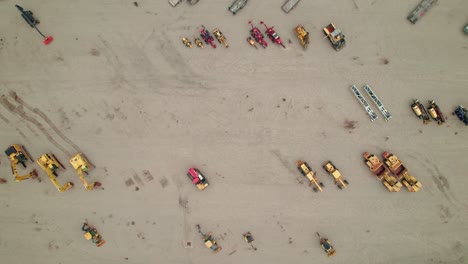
395,165
49,164
16,154
302,35
82,165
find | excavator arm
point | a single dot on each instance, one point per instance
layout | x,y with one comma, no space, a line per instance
49,164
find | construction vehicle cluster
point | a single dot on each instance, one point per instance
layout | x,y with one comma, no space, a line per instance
256,37
317,185
425,114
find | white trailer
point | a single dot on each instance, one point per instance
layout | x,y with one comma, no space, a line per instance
289,5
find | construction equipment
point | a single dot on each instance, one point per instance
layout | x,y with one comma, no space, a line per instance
378,103
249,239
325,243
302,35
50,165
205,35
220,37
305,169
197,178
29,18
383,174
337,39
17,155
258,35
420,10
333,171
199,43
82,165
251,41
92,234
462,114
186,42
271,33
420,111
174,2
209,241
435,112
364,103
289,5
395,165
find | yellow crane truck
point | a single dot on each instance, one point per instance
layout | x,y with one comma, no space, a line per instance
377,167
395,165
82,165
305,169
49,164
16,154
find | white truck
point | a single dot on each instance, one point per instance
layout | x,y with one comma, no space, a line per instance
420,10
289,5
176,2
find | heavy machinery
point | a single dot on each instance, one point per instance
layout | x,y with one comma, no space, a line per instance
33,22
82,165
49,164
187,42
337,39
249,239
302,35
197,178
364,103
16,154
333,171
435,113
395,165
92,234
237,5
251,41
289,5
387,116
420,111
271,33
258,35
462,114
420,10
199,43
305,169
209,241
325,243
220,37
205,35
383,174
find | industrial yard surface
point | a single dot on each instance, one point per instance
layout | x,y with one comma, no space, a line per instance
118,85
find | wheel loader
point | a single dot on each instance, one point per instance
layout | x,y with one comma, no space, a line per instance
395,165
16,154
383,174
82,165
49,164
305,169
333,171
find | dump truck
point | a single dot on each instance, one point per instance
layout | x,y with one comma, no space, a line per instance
337,39
17,154
197,178
395,165
420,10
333,171
381,172
306,171
420,111
82,165
209,241
302,35
49,164
289,5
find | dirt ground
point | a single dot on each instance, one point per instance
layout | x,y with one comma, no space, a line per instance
118,85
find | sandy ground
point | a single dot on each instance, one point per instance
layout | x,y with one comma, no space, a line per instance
118,85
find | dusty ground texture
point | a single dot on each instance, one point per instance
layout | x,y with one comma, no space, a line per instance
118,85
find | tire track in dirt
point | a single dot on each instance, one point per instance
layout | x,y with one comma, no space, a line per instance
46,119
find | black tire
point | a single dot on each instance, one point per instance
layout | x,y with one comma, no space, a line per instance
340,187
301,171
190,176
321,184
315,189
345,181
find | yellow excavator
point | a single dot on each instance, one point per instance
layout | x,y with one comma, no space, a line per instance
82,165
17,155
50,164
